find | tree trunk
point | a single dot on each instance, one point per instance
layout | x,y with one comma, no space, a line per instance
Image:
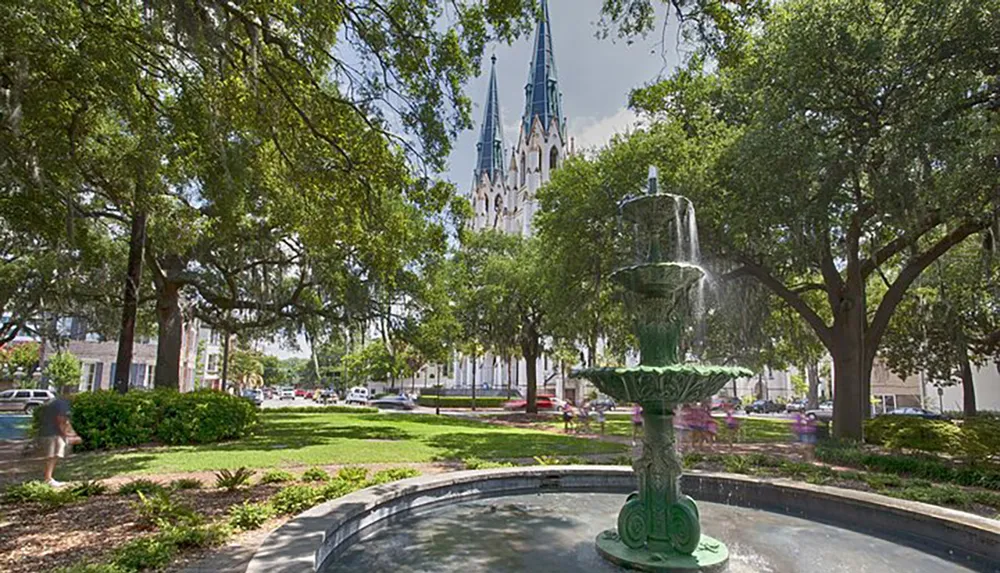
227,343
529,348
812,377
130,302
473,382
510,378
968,385
171,328
849,401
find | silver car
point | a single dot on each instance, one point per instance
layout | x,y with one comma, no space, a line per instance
24,400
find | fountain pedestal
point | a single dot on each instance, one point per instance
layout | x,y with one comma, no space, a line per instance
658,529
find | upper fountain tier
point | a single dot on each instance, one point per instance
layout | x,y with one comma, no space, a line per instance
662,225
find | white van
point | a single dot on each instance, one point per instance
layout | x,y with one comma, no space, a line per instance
357,395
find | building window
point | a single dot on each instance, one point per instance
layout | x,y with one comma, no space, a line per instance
539,160
554,159
213,364
88,378
524,169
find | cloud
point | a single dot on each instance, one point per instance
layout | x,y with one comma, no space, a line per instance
594,133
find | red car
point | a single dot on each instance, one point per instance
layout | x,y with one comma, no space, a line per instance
543,403
300,393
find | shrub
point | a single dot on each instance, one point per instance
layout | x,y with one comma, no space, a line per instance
315,474
143,486
391,475
231,480
478,464
88,488
160,509
276,476
295,499
185,483
38,492
737,464
981,436
105,419
914,466
913,433
338,488
192,535
145,553
92,568
547,460
882,481
461,401
936,495
353,474
247,516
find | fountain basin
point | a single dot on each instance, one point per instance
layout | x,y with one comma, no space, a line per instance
672,384
320,536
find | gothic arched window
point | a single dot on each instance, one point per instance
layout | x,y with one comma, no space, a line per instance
540,160
524,169
554,159
498,205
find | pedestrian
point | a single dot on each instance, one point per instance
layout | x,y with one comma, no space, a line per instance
805,431
55,435
732,424
636,421
600,419
567,416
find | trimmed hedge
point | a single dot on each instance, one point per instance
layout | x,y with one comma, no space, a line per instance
913,433
106,419
461,401
975,439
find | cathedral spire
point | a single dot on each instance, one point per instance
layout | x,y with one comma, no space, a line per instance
542,97
490,159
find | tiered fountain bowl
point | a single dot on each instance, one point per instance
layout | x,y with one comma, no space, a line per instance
658,527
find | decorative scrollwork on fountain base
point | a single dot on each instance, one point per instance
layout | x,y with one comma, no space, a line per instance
709,556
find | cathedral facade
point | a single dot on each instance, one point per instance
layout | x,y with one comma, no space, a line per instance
505,181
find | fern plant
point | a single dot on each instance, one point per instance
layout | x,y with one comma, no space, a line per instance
231,480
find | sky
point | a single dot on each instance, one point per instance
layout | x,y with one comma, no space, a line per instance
595,77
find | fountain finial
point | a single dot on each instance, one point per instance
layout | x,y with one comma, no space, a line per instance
652,182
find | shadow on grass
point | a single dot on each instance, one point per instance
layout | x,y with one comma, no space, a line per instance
102,465
500,445
428,420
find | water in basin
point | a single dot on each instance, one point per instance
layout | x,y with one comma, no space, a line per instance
554,532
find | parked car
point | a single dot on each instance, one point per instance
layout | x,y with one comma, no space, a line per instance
764,407
605,403
286,394
358,395
301,393
543,403
255,396
24,400
722,402
824,412
797,406
918,412
397,402
329,396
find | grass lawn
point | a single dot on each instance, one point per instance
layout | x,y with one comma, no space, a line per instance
294,439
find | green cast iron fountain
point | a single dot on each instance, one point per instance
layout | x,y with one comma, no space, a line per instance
658,528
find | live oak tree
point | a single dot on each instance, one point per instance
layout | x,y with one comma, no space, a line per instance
950,320
168,121
851,142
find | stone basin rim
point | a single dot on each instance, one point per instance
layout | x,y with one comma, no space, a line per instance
303,544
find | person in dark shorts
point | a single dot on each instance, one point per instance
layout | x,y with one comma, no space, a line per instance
55,434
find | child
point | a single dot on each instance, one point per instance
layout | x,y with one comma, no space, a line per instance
567,416
636,421
600,419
